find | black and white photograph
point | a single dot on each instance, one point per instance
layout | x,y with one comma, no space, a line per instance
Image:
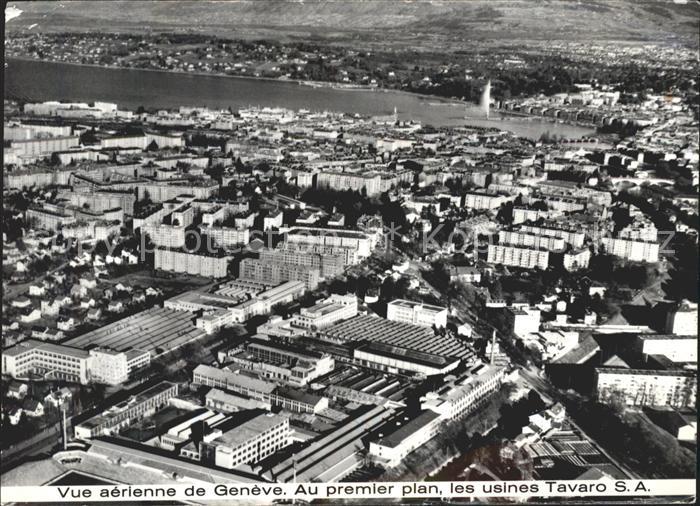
350,252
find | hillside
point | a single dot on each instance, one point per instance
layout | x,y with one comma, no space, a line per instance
424,22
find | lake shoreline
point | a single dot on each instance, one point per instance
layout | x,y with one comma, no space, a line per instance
441,101
32,80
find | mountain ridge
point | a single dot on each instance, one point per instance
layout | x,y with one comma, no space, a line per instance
648,20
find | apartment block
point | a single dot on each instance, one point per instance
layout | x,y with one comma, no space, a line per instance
565,204
27,131
683,319
164,140
275,219
166,236
484,201
642,387
161,191
227,237
328,264
518,238
49,219
640,230
360,242
527,258
126,141
46,146
370,182
630,249
99,201
523,215
278,272
570,236
523,320
576,259
677,348
347,255
175,260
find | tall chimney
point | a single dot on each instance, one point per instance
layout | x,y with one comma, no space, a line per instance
65,432
493,346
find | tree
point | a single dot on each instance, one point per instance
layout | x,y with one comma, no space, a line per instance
89,137
505,213
215,172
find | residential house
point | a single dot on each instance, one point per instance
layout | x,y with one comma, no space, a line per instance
109,259
46,333
59,277
65,323
50,307
682,426
101,273
59,397
33,408
94,314
21,302
129,257
29,315
17,390
465,330
88,282
153,292
464,273
120,287
37,290
78,291
14,415
87,303
115,306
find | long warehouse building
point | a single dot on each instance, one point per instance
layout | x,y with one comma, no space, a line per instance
156,330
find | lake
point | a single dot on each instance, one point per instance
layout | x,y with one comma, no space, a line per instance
130,88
